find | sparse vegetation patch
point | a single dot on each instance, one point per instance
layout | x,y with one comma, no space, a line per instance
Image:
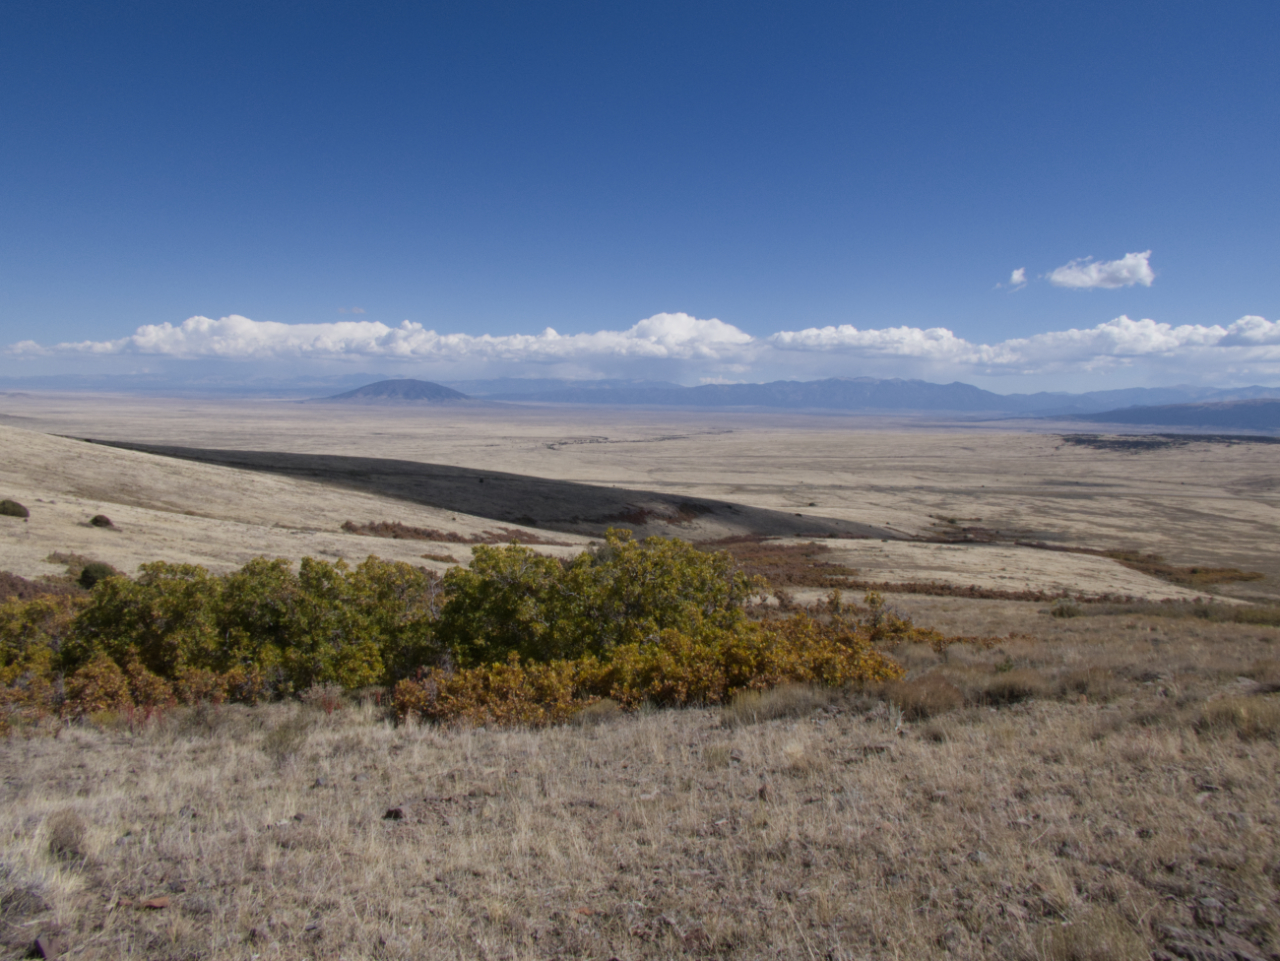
399,531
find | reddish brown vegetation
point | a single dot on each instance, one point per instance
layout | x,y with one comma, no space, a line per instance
15,588
398,531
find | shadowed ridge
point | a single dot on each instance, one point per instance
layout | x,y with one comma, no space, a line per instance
557,505
402,391
1256,414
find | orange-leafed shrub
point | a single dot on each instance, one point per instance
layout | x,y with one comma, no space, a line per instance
196,685
150,692
97,687
674,669
510,693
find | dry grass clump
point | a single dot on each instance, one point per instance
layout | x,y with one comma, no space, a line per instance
1101,934
1012,686
66,832
786,700
1091,683
1248,716
924,697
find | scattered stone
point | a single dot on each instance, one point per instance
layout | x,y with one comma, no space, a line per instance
979,857
101,520
47,946
155,904
394,814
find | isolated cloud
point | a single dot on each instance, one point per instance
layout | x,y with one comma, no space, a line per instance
1018,278
680,346
1088,274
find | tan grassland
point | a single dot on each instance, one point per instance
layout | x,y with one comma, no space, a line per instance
1199,504
1101,818
1083,788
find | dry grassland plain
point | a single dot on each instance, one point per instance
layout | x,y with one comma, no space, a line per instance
1087,787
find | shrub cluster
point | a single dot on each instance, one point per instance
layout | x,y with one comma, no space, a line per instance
179,633
516,637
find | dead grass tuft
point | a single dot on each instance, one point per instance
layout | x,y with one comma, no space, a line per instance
1102,934
66,832
1267,673
924,697
283,742
786,700
1013,686
1092,683
604,711
1249,717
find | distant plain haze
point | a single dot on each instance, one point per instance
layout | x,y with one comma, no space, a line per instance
1023,197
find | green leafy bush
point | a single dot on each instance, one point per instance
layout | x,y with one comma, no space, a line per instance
93,572
511,600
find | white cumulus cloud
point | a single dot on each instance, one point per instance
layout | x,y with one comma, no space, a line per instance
1018,278
680,346
1088,274
662,336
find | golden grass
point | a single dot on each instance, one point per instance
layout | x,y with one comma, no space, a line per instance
1053,827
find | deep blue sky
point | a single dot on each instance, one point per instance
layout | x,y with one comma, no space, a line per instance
501,167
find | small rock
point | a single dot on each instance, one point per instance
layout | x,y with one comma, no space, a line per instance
979,857
736,756
101,520
155,904
764,792
394,814
299,817
319,782
47,946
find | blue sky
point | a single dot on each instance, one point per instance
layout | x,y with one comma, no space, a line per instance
423,189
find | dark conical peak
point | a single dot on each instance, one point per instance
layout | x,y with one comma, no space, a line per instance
403,390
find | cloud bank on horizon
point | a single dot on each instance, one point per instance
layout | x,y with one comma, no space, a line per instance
680,346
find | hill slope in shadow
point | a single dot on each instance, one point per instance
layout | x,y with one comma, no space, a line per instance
1259,414
556,505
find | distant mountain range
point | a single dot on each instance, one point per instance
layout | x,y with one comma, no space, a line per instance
840,393
1235,415
1246,408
